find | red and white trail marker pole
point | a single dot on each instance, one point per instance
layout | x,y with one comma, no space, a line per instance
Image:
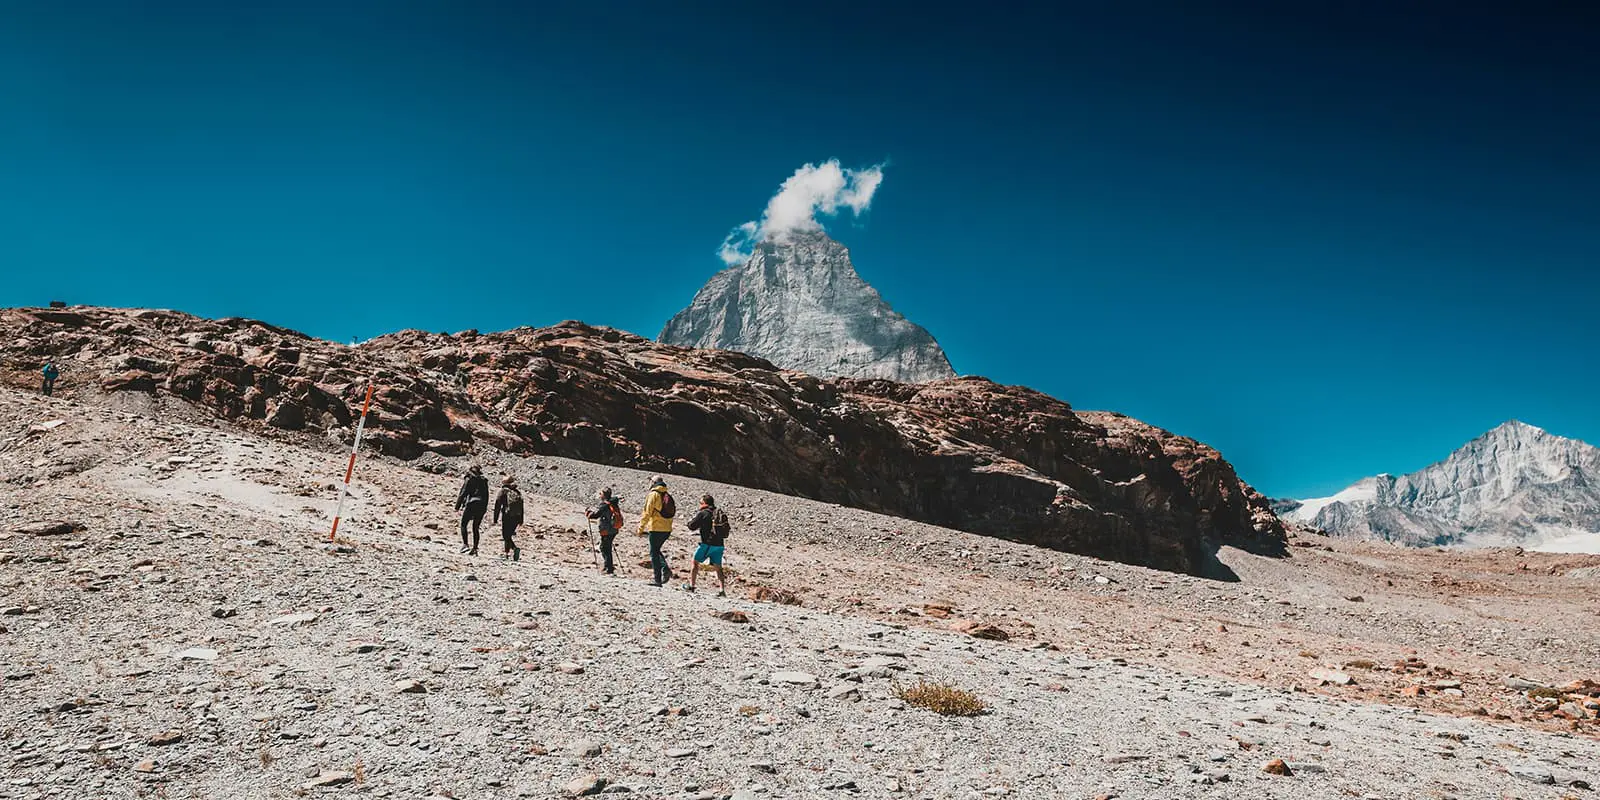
355,448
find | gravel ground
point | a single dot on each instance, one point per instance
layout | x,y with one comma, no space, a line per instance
1470,616
197,636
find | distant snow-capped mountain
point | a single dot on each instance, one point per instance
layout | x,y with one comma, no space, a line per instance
799,303
1515,485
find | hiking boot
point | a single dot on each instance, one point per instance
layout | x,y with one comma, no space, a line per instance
472,552
688,587
516,554
722,593
464,549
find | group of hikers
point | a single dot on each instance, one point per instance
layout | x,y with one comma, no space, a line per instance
660,509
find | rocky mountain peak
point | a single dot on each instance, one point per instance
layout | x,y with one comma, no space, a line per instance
1517,426
1512,433
1515,484
799,303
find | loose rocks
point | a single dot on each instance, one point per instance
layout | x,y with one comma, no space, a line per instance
584,786
793,679
335,778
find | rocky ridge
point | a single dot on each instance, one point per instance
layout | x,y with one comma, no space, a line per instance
1515,485
966,453
799,303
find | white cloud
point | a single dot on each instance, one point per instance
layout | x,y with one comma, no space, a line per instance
813,189
736,248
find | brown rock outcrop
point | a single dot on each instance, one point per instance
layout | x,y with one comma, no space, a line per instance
966,453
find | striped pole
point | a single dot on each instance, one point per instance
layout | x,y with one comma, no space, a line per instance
351,468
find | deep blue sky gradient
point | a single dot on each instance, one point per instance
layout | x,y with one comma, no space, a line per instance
1329,239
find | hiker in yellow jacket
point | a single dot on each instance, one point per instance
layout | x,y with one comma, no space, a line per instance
656,521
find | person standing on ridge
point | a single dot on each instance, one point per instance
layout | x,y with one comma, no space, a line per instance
50,372
472,501
608,518
712,524
656,521
508,513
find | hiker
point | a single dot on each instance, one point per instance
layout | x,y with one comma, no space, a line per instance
608,518
51,373
712,524
656,521
472,502
508,513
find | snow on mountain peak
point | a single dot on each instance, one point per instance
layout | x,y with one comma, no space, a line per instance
1515,484
799,303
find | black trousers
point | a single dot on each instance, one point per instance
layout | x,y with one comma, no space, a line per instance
471,515
658,561
508,529
606,540
49,387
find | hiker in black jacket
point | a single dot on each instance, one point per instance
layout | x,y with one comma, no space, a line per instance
472,502
608,518
712,525
508,513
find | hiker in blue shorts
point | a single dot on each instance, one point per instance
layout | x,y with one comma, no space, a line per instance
712,525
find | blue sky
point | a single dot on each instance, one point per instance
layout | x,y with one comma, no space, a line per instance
1329,243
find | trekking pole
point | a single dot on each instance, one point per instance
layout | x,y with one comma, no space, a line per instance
355,448
594,549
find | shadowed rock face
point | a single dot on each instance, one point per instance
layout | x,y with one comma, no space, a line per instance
800,304
967,453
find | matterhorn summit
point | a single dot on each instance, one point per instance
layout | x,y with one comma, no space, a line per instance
799,303
1515,485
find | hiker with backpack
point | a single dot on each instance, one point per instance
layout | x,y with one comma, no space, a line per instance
712,524
508,513
608,518
50,372
472,501
659,508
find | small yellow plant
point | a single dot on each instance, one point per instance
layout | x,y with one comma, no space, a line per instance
941,699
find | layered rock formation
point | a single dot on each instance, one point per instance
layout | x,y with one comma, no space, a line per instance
966,453
799,303
1516,484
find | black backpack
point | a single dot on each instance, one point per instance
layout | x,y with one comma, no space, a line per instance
513,502
669,506
719,524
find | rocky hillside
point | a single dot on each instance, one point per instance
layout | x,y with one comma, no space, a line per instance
965,453
799,303
175,624
1516,484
